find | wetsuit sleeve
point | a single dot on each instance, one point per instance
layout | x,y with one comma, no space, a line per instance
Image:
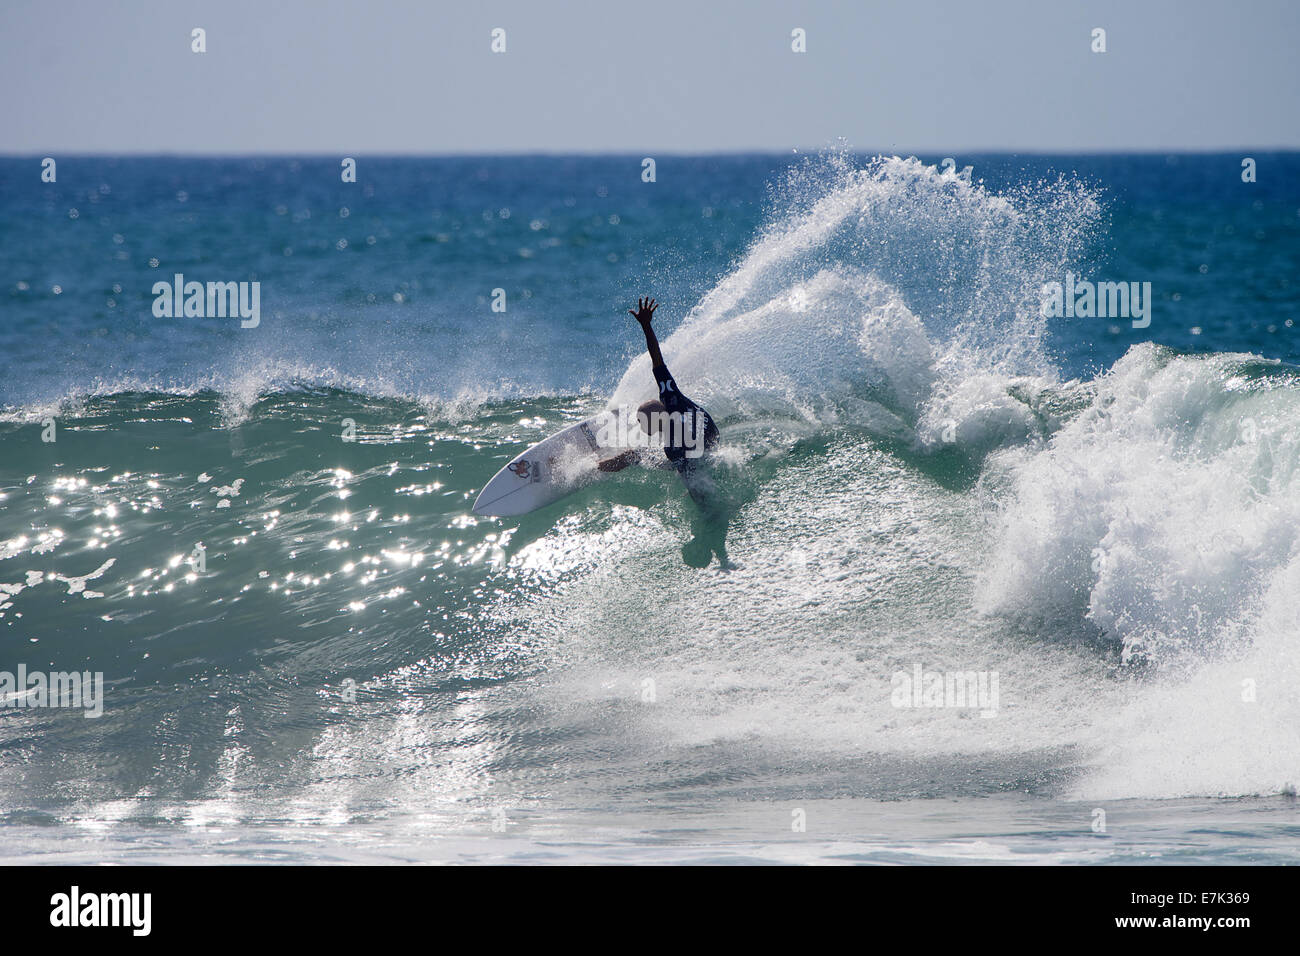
669,393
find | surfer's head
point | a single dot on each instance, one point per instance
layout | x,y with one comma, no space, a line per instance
650,416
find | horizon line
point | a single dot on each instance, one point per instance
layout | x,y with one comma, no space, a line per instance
527,153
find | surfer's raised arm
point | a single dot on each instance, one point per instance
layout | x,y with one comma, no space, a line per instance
643,313
671,417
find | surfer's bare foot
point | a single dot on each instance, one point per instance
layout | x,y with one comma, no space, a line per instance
644,311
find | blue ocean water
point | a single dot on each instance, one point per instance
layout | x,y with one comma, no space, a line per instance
923,471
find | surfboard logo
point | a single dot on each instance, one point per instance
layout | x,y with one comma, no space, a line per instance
520,469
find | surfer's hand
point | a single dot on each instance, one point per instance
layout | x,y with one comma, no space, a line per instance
645,309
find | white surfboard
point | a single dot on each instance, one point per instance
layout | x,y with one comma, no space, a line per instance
549,470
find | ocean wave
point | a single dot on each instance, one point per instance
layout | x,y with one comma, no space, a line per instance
921,485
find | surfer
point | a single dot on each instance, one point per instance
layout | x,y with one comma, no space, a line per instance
689,437
687,430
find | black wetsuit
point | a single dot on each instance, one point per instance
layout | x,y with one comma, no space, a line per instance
682,443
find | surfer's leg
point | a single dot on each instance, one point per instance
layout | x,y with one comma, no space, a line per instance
708,538
713,515
618,462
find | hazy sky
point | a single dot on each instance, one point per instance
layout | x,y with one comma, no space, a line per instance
401,76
